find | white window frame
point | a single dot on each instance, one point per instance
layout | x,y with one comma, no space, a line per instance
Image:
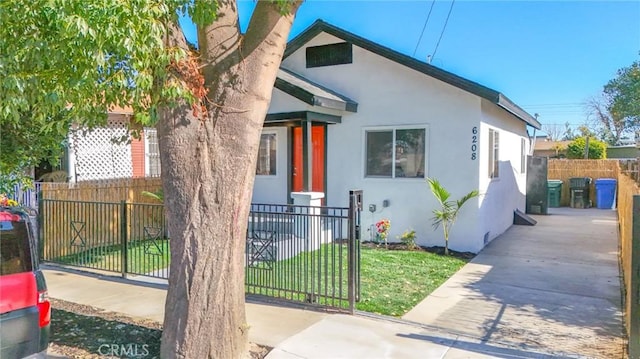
275,134
494,153
523,155
393,130
147,152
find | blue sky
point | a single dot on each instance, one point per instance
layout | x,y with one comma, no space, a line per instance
547,56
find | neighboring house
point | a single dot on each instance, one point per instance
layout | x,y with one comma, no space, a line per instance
623,152
347,113
109,152
548,148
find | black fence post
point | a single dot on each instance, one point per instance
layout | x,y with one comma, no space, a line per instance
40,230
355,206
634,307
123,238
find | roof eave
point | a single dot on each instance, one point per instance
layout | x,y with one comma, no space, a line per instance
517,111
343,104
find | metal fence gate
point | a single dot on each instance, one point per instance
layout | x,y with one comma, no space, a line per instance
301,253
305,254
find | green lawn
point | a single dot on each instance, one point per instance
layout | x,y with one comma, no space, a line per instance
142,257
392,281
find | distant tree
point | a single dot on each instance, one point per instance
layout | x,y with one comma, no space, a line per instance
558,148
585,130
597,149
553,131
617,110
568,135
624,92
610,127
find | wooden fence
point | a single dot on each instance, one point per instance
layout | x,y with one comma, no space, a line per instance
92,212
563,169
627,188
114,190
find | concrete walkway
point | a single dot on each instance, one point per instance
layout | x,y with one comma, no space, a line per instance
553,287
294,332
535,292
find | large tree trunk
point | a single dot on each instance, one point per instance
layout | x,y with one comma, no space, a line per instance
208,166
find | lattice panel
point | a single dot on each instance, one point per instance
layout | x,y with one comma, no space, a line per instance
103,152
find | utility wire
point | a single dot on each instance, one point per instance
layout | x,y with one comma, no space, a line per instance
424,28
443,28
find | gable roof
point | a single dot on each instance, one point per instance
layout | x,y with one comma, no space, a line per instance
312,93
491,95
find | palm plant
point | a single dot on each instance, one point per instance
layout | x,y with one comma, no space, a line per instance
448,211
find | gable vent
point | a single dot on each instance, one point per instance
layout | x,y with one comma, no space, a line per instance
329,55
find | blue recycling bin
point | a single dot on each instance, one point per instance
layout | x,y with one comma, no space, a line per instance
605,192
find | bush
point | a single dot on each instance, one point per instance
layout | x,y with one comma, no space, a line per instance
597,149
408,238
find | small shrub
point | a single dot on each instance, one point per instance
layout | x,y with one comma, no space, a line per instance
408,238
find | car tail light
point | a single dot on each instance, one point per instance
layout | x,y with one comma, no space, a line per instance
44,307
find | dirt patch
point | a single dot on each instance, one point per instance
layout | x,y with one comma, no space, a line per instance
395,246
80,331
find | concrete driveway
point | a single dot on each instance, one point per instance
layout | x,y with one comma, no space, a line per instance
552,288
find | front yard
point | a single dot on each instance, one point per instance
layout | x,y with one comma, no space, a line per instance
394,281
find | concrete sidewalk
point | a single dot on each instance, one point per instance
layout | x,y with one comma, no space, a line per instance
292,331
553,287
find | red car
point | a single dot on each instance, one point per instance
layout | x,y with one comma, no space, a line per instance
25,310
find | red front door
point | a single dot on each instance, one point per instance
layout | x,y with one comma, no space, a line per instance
299,163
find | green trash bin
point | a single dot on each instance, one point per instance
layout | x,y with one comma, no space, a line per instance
554,192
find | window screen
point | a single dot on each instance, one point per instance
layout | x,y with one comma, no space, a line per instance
523,155
494,154
266,164
152,153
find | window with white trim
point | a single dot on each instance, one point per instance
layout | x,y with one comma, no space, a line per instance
266,165
151,153
494,153
395,153
523,155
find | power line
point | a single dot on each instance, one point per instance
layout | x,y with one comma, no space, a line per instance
555,104
443,28
424,27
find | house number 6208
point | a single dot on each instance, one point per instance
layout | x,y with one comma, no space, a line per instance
474,143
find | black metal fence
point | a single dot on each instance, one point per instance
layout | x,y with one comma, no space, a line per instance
302,253
129,238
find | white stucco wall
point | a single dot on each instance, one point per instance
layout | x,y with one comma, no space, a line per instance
501,196
273,189
390,95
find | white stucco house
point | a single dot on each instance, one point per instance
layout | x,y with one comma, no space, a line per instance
347,113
